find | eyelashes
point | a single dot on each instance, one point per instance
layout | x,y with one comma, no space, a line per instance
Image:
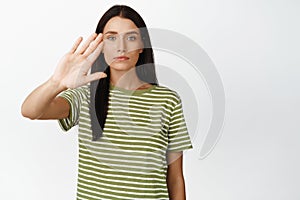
114,38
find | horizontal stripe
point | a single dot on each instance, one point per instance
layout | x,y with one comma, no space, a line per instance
122,183
109,194
109,150
129,160
113,172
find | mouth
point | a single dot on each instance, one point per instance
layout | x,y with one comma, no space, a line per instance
121,58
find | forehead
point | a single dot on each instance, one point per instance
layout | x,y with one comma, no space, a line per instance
120,25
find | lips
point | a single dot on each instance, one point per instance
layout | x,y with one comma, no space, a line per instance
121,58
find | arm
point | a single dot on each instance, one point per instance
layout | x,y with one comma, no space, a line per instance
71,72
42,102
175,179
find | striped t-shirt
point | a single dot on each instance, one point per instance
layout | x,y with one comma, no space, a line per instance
129,160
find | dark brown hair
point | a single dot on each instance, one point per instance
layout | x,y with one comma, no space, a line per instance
145,68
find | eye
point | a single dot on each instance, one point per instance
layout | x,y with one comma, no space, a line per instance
131,38
111,38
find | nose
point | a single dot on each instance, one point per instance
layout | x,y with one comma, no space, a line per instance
121,45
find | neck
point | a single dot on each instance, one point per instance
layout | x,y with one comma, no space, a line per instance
125,79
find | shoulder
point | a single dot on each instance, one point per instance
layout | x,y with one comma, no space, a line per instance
171,94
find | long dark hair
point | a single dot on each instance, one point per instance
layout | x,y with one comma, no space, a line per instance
145,68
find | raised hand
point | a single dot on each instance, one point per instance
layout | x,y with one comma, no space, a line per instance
73,68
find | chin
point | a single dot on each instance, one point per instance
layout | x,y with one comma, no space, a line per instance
121,66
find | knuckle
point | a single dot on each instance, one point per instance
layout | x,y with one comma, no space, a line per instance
83,56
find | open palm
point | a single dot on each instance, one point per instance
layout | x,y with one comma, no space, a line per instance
73,68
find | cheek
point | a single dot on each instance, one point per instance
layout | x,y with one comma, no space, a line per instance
134,55
108,54
134,46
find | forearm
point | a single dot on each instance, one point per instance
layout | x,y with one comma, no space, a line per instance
40,98
176,188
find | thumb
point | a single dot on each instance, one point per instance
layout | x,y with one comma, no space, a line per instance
95,76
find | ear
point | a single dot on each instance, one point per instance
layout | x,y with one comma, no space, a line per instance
141,50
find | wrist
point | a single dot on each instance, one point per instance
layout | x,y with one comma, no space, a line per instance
56,85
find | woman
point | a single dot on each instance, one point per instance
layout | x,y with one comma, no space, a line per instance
131,130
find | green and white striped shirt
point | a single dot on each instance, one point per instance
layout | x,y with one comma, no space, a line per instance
129,160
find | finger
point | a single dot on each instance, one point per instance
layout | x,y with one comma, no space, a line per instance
92,57
94,45
95,54
75,45
95,76
86,43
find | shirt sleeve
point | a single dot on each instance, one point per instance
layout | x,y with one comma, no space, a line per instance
75,98
178,136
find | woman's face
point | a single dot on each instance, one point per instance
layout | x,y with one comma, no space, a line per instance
122,44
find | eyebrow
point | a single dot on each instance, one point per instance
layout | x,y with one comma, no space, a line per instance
114,32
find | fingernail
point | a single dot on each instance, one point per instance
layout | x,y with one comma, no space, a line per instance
103,75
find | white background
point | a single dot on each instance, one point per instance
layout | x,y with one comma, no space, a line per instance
255,47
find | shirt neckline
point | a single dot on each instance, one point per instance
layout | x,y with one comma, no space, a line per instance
131,92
